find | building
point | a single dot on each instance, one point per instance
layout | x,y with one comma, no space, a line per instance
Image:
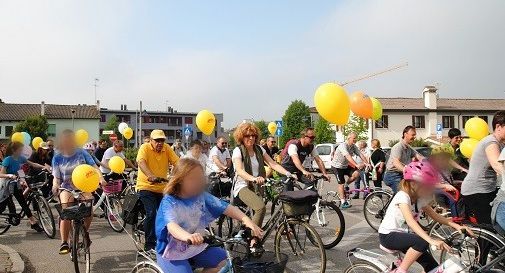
425,113
59,117
172,122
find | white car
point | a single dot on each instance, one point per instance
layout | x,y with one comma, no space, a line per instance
325,150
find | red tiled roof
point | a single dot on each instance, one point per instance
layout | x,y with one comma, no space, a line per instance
15,112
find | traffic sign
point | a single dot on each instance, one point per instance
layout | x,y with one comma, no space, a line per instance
113,137
107,132
278,131
188,131
439,131
278,123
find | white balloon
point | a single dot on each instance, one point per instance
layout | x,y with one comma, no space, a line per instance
122,126
27,151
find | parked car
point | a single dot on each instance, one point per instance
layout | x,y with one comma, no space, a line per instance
325,150
424,151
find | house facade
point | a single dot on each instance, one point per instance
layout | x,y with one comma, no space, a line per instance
172,122
59,118
425,113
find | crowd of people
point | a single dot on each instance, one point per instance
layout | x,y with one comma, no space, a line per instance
177,211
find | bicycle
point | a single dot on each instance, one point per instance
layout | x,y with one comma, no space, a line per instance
110,203
76,212
40,205
251,261
220,186
327,217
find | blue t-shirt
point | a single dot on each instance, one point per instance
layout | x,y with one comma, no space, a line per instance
193,215
63,166
13,165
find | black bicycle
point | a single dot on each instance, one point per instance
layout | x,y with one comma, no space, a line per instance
77,212
35,199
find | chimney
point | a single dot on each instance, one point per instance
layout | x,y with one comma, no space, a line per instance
42,108
430,97
125,107
98,105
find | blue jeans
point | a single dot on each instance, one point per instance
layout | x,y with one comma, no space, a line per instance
151,202
500,215
392,179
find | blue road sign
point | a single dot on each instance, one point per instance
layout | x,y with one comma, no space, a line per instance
279,131
439,127
279,123
188,131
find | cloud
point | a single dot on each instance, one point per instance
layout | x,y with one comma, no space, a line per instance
53,52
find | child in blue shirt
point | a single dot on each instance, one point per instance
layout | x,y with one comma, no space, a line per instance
184,213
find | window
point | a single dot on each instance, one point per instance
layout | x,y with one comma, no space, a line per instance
163,120
418,121
51,130
447,122
0,130
123,118
466,118
8,130
175,121
199,135
188,120
484,118
102,118
382,123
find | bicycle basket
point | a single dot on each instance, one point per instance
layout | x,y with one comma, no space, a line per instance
298,203
131,206
113,186
268,262
75,210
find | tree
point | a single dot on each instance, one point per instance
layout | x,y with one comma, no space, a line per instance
36,126
295,119
111,125
263,126
324,133
418,142
357,125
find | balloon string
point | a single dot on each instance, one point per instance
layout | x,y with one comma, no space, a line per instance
375,74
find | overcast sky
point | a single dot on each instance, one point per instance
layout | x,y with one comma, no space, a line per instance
247,59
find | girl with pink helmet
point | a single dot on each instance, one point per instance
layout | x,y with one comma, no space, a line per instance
400,230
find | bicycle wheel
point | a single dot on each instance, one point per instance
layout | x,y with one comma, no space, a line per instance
4,224
329,222
81,255
294,238
46,217
362,267
475,252
146,267
224,226
138,233
375,208
113,213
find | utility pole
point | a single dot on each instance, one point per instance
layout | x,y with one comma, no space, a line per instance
141,138
96,85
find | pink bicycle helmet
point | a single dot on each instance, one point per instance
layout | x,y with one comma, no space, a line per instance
421,172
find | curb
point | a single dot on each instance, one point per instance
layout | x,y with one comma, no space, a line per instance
18,265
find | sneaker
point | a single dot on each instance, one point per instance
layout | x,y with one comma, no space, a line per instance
64,248
345,205
37,228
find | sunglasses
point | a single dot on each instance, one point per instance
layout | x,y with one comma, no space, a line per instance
224,143
158,140
311,137
248,136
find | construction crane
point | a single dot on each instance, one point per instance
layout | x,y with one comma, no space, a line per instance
371,75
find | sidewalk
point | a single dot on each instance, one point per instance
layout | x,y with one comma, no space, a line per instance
10,261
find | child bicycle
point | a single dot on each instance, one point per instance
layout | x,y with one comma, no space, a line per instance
236,262
76,212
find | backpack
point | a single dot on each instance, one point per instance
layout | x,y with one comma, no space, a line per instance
284,152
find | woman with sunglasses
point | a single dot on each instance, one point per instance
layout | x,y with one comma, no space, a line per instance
249,160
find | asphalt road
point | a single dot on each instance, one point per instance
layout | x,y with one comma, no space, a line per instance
115,252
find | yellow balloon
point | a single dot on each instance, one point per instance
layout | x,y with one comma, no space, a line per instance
81,137
332,103
376,109
467,146
117,164
17,137
272,127
128,133
205,121
85,178
36,142
476,128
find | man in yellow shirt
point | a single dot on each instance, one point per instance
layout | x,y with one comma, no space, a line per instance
154,159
